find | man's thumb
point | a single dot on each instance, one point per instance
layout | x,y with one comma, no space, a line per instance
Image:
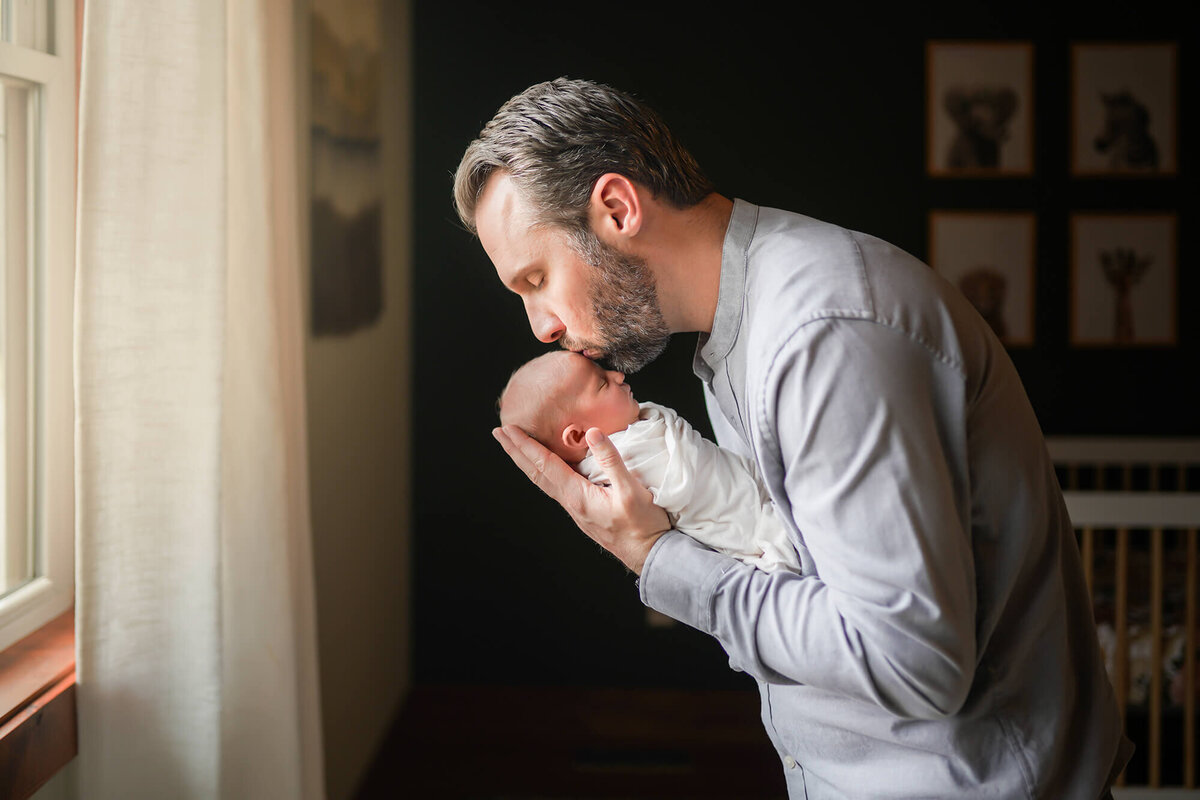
603,450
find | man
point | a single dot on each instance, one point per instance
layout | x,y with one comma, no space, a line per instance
940,641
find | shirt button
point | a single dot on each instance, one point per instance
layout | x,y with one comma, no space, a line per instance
789,762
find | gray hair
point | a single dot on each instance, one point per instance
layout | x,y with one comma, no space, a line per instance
557,138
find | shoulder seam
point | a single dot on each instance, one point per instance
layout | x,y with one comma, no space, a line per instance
862,271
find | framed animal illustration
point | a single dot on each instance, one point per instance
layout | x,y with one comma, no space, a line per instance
989,256
1123,279
979,108
1124,109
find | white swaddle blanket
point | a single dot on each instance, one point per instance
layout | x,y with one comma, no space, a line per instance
711,494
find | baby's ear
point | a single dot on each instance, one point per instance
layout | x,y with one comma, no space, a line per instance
573,436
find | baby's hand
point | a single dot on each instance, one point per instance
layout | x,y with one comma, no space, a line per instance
621,517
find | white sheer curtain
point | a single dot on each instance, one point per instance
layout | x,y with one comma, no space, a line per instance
195,612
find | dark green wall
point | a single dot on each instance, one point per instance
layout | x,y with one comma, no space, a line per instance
820,111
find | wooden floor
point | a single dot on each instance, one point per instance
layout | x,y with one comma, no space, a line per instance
502,743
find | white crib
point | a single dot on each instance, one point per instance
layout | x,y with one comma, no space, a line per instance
1135,504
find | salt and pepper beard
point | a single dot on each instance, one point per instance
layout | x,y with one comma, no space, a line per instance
629,324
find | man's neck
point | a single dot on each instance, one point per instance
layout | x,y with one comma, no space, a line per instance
686,260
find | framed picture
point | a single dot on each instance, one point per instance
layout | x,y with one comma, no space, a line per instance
1124,109
989,256
979,108
1123,279
345,148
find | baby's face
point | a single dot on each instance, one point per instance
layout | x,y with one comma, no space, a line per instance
602,399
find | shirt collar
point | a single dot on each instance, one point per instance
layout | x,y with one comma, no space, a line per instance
712,347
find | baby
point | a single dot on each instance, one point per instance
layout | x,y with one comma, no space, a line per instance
709,493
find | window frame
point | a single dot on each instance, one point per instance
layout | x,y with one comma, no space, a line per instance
52,590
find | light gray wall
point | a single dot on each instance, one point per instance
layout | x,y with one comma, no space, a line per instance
358,423
63,786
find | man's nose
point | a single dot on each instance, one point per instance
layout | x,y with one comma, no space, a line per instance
546,327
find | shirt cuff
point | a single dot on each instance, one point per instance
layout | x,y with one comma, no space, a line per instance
680,577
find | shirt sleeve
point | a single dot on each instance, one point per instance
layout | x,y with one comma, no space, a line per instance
868,427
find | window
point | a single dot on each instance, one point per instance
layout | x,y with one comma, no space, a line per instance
37,244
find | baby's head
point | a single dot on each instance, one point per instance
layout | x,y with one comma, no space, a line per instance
558,396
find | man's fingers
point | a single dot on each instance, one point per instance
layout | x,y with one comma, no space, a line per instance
524,452
623,519
507,438
547,471
639,517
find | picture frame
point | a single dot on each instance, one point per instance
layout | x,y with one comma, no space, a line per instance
1124,109
979,108
345,149
1124,279
990,256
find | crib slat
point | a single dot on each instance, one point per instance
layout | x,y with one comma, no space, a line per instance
1189,666
1121,623
1156,655
1156,643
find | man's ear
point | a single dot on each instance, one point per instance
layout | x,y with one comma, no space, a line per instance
573,436
615,209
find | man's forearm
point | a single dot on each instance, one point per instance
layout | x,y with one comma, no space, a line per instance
785,628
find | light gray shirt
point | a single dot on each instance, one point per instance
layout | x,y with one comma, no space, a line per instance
939,641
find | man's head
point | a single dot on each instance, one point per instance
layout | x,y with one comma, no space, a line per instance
558,137
557,397
527,185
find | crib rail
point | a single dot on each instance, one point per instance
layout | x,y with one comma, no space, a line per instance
1135,504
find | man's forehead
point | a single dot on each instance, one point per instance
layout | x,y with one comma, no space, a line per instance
498,188
501,206
503,220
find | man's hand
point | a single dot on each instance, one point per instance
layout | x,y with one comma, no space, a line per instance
621,518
